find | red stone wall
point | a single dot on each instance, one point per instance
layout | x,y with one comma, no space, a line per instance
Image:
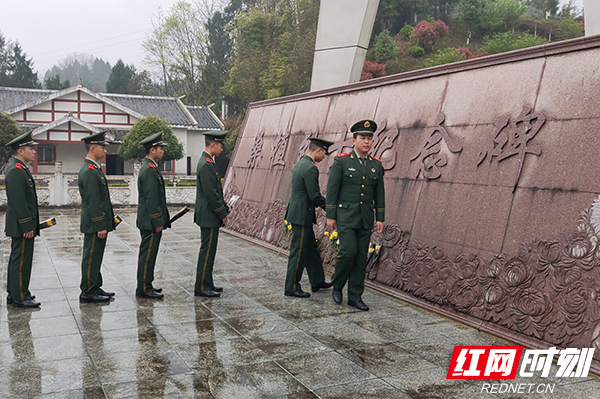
490,167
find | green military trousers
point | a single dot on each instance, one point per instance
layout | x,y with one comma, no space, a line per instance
304,254
147,260
93,252
352,261
206,258
19,268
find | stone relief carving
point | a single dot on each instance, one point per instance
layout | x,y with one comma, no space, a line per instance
278,152
256,152
385,140
549,290
304,145
512,138
430,159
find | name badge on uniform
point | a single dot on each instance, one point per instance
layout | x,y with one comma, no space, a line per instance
352,169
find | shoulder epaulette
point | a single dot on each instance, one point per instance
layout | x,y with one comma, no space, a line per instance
343,155
18,165
377,159
90,166
208,160
151,164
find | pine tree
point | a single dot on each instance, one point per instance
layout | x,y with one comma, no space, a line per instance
119,78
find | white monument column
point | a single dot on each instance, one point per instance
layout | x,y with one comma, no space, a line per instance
343,35
591,10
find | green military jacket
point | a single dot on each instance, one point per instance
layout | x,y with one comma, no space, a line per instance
354,196
210,209
96,208
22,208
306,194
152,200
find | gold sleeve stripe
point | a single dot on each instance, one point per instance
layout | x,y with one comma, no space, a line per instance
98,218
156,215
25,220
219,209
330,206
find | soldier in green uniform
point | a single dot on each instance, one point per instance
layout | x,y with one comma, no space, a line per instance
301,214
152,214
22,221
97,218
354,192
209,213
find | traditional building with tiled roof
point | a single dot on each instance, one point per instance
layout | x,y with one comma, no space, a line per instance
60,118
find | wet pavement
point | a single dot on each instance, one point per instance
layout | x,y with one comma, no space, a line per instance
252,342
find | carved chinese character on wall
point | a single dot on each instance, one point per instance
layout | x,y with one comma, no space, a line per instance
429,156
256,152
384,140
512,139
279,148
303,150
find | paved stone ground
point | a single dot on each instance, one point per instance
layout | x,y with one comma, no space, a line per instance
251,343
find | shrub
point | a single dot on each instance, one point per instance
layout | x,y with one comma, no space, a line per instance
384,47
445,56
372,69
502,42
415,51
427,33
406,31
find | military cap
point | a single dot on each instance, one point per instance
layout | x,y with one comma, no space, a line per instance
153,140
97,138
22,140
324,144
366,127
216,135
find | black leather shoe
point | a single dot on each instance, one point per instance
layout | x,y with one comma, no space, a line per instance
104,293
93,299
337,295
9,300
211,294
29,303
157,289
321,286
217,289
360,305
150,295
298,294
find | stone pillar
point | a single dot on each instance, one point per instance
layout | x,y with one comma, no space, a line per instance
343,35
59,184
591,10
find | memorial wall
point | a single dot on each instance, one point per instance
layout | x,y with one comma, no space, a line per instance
492,167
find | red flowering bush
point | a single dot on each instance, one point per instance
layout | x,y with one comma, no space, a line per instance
372,69
427,33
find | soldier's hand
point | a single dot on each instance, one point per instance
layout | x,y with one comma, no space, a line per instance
102,234
28,235
378,227
223,221
331,225
159,229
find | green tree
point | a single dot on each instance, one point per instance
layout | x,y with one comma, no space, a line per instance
502,42
9,129
4,54
119,78
470,11
394,14
132,149
55,83
545,6
20,69
384,47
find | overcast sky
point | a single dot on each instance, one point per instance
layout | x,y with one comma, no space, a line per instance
49,30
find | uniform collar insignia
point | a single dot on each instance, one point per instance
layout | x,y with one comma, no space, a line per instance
90,166
151,164
19,165
352,169
208,160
